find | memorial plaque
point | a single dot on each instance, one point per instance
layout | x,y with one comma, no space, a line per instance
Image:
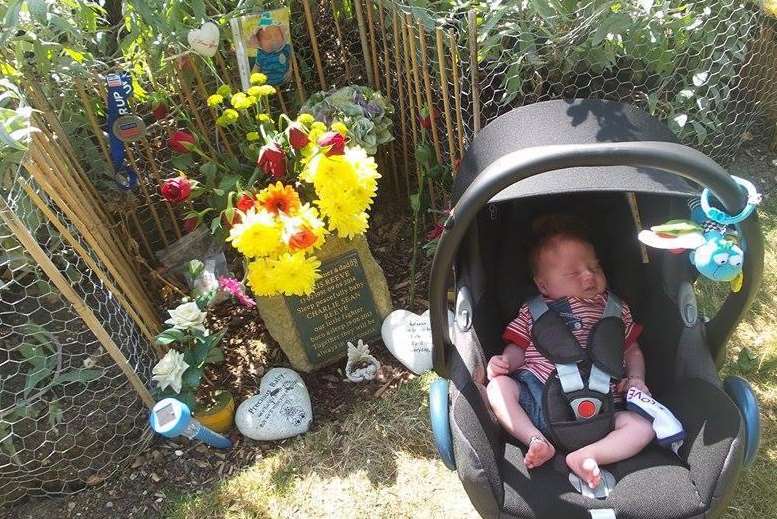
341,309
349,303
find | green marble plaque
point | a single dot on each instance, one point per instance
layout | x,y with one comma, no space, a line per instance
341,309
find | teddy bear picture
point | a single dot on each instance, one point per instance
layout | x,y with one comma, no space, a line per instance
264,45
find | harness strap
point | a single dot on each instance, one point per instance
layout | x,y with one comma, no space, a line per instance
570,377
614,307
598,380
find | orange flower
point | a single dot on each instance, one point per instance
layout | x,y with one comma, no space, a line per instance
279,198
302,239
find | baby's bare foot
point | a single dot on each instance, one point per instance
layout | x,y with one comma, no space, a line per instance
585,467
540,451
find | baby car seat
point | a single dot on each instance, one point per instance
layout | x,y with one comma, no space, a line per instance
618,169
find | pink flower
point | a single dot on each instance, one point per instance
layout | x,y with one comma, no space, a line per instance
235,288
435,232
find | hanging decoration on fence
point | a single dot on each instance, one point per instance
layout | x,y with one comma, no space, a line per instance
205,40
263,44
123,126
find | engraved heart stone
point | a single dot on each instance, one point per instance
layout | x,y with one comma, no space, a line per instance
281,409
408,336
205,40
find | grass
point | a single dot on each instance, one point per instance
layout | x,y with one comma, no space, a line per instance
379,461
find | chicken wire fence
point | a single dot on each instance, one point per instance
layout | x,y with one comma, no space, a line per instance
707,69
69,416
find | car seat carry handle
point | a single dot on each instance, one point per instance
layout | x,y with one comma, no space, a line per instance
516,166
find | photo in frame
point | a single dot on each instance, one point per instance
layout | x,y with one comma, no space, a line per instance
263,44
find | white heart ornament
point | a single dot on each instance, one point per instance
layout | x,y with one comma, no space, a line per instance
281,409
205,40
408,337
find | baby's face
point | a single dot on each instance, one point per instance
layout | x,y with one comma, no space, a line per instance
569,268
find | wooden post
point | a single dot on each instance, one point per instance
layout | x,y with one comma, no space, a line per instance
149,202
363,40
314,43
428,90
80,307
445,101
387,77
187,95
401,90
149,156
473,66
453,44
298,80
204,94
98,133
409,75
225,76
373,50
340,43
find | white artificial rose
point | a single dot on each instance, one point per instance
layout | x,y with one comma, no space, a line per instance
169,370
187,316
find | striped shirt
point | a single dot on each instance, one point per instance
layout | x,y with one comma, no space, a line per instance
580,315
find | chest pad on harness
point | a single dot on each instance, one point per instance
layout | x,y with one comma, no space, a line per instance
577,402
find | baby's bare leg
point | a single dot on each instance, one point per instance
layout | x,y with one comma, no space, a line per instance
503,395
632,433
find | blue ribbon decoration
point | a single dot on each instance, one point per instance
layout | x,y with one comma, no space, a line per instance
119,91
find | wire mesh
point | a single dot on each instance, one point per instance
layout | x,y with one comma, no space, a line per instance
704,68
68,415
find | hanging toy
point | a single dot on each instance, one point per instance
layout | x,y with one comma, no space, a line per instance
709,236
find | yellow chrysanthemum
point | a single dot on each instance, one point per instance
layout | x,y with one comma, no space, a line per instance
340,128
224,91
305,119
350,225
296,275
304,231
255,91
257,78
770,7
252,136
215,100
337,209
260,274
241,101
259,234
266,90
230,115
263,118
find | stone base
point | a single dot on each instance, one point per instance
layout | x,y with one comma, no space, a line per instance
350,302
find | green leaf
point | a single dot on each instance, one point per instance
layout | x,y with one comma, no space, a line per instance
79,375
36,375
37,10
191,378
170,336
415,202
77,56
746,361
215,356
182,162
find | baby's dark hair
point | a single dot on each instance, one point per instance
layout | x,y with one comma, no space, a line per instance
546,229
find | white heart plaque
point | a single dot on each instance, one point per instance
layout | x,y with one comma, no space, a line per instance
408,337
205,40
281,409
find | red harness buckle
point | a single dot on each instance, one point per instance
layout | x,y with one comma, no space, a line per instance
585,408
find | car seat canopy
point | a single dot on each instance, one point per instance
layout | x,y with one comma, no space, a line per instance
578,121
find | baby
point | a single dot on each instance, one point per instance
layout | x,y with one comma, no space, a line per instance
568,275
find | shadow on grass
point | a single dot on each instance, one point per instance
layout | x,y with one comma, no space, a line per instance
364,445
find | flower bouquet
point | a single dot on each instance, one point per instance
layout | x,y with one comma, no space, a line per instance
309,179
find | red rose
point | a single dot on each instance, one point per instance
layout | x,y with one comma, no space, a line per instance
426,117
160,111
272,160
181,141
245,202
435,232
176,189
298,139
334,141
191,223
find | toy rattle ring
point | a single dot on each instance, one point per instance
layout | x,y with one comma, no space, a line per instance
716,215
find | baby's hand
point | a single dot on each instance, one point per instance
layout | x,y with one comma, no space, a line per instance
498,365
635,382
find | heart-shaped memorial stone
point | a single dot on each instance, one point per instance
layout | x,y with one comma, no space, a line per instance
280,410
205,40
408,337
